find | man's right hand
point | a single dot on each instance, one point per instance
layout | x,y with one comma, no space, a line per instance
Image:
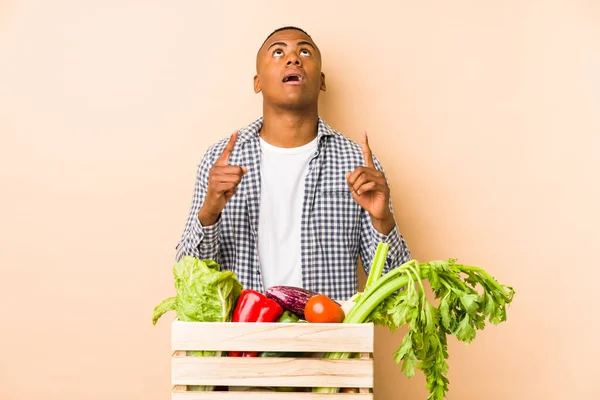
223,180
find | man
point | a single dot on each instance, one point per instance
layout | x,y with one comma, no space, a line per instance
287,200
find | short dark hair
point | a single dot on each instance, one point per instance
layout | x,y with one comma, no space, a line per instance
285,28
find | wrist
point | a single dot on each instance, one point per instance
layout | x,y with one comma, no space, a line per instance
206,217
384,225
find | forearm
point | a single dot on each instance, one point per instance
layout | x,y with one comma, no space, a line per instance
387,231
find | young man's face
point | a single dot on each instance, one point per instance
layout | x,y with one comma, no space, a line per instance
289,71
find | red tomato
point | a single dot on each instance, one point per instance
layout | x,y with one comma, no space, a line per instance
321,308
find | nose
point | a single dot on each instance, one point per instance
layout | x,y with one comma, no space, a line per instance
293,59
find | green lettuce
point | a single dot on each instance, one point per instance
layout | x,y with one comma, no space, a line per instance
204,294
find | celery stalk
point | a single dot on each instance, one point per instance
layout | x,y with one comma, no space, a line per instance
374,290
461,312
378,263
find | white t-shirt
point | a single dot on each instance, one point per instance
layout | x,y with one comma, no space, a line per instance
283,171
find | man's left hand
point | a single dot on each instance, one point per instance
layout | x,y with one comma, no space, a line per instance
371,191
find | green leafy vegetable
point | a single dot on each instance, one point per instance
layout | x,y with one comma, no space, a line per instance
204,294
398,298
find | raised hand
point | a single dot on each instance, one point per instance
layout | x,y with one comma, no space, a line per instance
371,191
223,180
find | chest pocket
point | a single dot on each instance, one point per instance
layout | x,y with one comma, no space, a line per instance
335,212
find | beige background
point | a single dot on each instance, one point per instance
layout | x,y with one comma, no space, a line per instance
484,114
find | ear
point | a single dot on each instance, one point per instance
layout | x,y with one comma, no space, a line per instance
257,88
323,85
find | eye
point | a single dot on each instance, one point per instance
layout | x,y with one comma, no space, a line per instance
304,52
278,53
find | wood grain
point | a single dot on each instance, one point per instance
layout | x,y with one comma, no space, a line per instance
215,336
259,371
364,356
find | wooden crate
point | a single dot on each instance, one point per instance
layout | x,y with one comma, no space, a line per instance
306,372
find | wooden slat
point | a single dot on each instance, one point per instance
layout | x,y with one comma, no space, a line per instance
305,337
364,356
267,396
297,372
179,388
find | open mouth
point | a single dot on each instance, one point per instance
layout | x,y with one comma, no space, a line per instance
293,78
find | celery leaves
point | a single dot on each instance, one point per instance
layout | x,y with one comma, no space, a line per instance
397,299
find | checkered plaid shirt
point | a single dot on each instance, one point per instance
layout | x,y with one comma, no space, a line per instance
334,228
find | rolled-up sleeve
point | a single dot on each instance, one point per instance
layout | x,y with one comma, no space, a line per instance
199,241
398,252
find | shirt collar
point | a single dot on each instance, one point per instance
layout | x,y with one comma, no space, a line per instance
252,131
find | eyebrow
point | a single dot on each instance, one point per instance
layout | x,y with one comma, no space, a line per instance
303,43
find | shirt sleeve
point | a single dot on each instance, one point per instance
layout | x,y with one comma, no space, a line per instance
370,238
200,241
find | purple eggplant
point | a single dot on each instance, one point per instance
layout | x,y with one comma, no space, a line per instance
290,298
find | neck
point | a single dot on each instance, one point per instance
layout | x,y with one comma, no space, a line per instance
289,128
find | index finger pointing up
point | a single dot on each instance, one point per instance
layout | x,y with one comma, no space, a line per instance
224,157
366,150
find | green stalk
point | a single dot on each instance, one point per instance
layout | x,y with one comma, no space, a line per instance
390,276
367,306
379,292
378,263
419,280
376,269
370,303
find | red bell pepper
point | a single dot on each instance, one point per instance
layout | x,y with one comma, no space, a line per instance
253,306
